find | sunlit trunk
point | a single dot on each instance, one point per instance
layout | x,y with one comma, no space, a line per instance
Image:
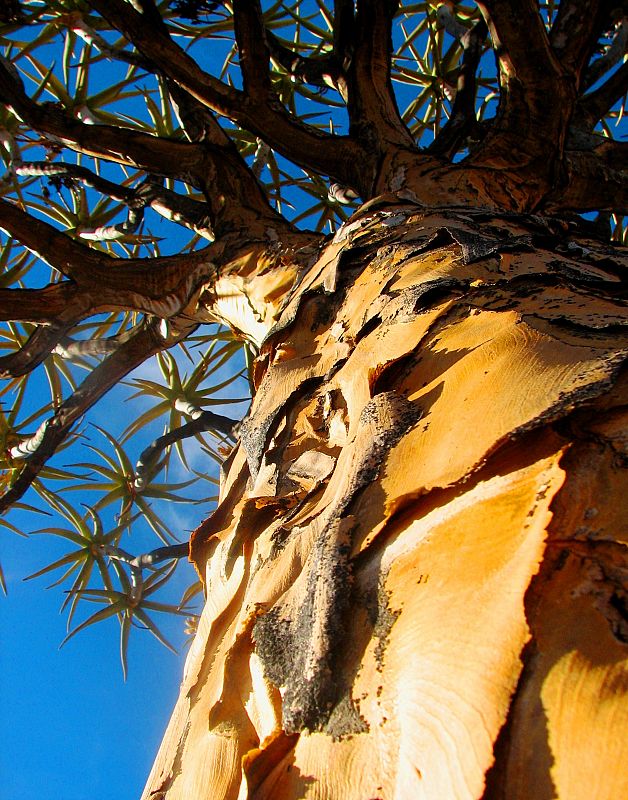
414,575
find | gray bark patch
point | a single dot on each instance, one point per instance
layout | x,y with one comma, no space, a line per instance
301,644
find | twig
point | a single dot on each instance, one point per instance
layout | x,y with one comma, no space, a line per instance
137,564
202,421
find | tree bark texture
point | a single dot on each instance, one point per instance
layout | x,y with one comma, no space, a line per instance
414,577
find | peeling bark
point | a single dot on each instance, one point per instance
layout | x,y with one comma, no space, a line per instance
418,559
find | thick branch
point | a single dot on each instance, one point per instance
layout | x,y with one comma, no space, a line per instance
57,308
520,41
536,100
154,42
256,44
250,36
69,257
159,286
575,32
373,114
213,165
234,195
166,157
150,339
536,103
344,20
37,305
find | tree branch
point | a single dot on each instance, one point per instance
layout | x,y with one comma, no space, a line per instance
69,257
177,208
214,165
73,349
614,53
575,32
250,35
373,114
57,308
205,421
150,339
323,71
75,21
159,286
267,118
137,564
463,118
234,195
344,21
155,43
37,305
166,157
235,198
593,106
536,102
520,41
151,558
37,347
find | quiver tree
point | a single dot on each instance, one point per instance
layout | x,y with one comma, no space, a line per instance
414,576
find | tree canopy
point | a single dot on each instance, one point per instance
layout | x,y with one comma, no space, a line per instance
157,155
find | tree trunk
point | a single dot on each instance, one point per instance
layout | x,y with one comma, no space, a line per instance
414,575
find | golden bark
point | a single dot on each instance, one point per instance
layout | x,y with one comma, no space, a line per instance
415,574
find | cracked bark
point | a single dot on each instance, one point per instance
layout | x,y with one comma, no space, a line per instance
419,553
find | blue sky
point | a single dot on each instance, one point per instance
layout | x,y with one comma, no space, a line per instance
71,727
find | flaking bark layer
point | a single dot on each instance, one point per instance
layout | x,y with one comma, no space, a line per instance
412,440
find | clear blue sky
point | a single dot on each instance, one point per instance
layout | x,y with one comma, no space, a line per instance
71,728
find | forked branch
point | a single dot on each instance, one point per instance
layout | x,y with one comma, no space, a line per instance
150,338
266,117
535,102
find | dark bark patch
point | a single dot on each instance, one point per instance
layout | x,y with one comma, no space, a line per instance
302,644
419,299
345,719
386,618
474,246
255,433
